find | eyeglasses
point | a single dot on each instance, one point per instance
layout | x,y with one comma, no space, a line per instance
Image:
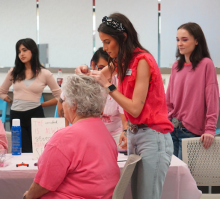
100,67
93,66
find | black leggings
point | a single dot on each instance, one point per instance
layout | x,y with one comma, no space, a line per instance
25,121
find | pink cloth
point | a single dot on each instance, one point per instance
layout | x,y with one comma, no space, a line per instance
193,97
179,182
3,140
111,114
79,161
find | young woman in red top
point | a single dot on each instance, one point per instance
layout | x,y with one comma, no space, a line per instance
141,95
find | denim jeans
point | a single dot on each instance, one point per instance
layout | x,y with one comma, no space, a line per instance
156,150
177,135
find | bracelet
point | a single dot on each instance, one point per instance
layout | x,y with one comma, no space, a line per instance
125,132
60,100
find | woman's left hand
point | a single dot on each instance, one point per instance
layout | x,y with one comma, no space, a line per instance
207,140
25,194
100,78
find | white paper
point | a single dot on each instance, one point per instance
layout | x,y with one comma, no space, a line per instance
42,131
122,157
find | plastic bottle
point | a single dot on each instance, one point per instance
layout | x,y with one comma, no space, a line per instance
59,77
16,137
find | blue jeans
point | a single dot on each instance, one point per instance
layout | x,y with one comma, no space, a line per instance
177,135
156,150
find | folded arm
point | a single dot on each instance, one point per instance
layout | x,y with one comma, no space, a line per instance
5,87
51,102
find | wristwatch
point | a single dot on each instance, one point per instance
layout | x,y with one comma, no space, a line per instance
111,88
60,100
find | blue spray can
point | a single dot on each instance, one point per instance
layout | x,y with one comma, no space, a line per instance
16,137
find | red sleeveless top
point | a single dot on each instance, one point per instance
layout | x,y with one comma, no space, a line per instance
154,112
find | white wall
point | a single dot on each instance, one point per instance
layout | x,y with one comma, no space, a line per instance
66,26
17,21
142,13
176,12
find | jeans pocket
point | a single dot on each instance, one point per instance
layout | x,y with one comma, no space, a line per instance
187,133
168,144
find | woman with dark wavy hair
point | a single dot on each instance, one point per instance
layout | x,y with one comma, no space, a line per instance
28,78
141,95
192,95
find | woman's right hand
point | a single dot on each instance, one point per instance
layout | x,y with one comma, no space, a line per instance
82,69
8,99
123,138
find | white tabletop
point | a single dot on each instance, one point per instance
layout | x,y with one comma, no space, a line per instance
14,181
27,158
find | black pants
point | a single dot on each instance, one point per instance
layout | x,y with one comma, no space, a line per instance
25,121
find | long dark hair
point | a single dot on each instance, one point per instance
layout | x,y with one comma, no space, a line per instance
18,72
201,50
98,54
126,47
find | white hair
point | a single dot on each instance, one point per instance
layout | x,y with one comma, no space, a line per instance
84,91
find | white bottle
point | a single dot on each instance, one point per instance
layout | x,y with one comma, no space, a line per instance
59,77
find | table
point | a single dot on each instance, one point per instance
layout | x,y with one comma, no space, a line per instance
14,181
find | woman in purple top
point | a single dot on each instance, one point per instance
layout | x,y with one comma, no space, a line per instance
192,95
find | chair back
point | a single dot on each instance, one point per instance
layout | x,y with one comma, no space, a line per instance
217,132
56,112
3,108
125,176
41,99
204,164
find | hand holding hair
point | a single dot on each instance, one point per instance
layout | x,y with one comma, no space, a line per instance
82,69
98,75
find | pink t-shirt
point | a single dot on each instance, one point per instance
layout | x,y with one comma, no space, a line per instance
79,162
111,114
3,140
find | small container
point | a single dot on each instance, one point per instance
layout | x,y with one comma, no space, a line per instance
3,157
16,137
59,77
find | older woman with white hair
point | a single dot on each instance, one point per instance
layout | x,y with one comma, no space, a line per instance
79,161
